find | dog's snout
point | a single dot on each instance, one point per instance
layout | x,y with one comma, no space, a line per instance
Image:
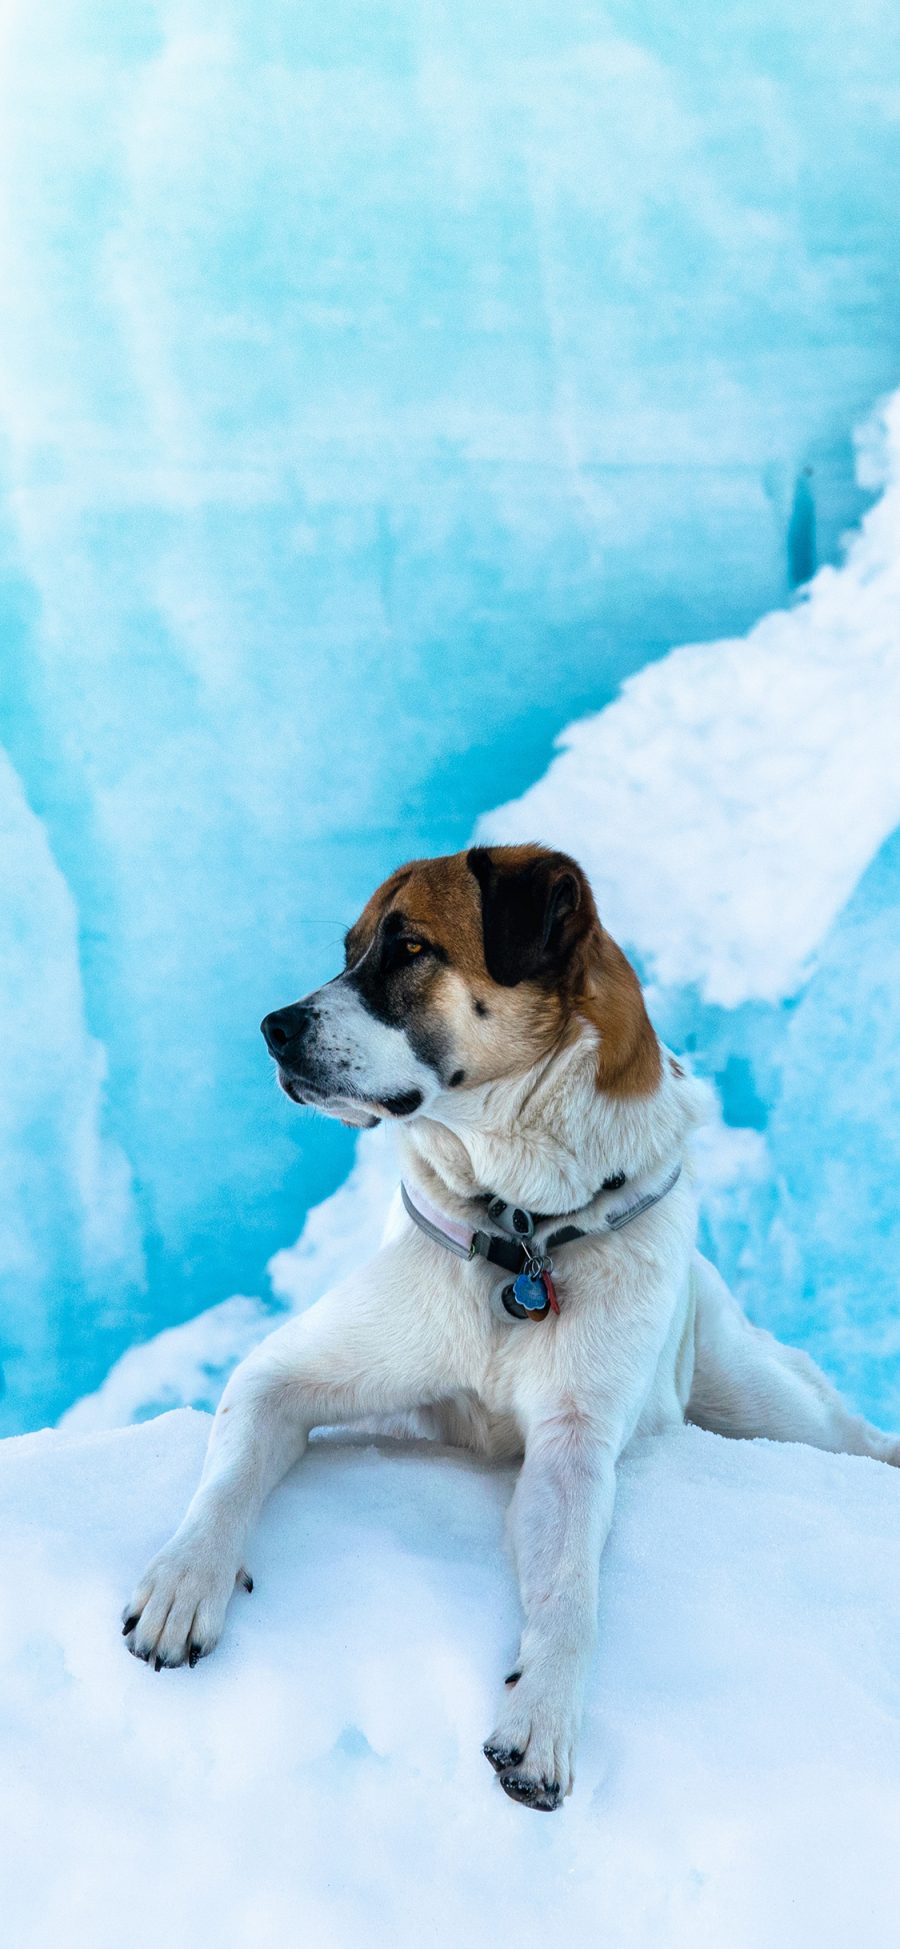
284,1025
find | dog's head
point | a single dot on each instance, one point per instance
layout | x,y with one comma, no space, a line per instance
460,971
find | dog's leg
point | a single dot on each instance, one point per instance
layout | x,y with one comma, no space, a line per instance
367,1348
560,1518
747,1384
176,1612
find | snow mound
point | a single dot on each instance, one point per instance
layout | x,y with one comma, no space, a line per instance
188,1365
739,1777
730,799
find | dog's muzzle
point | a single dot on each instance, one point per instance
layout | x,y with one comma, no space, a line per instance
286,1033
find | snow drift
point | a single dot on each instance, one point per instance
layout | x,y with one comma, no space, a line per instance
726,805
739,1773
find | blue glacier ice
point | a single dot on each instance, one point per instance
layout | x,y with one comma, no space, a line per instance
809,1235
379,386
828,1271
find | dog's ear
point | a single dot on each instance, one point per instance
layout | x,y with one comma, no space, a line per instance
535,907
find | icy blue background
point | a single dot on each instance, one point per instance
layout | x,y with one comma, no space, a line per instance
379,384
811,1243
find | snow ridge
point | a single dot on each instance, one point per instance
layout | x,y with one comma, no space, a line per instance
727,803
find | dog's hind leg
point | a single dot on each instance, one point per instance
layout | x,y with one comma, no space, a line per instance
746,1383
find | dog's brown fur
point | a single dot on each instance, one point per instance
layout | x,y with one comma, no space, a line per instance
441,900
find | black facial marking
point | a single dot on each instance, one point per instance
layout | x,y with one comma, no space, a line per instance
392,983
402,942
459,1076
480,1007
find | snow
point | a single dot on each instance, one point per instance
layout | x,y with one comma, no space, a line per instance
183,1363
189,1364
739,1774
727,803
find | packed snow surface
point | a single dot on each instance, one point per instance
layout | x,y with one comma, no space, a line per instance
739,1774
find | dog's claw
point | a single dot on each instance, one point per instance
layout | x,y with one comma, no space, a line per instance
244,1578
512,1678
129,1625
543,1795
501,1757
194,1655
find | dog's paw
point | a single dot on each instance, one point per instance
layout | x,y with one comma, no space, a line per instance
533,1747
177,1611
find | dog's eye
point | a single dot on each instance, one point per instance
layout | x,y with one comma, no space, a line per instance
399,950
404,950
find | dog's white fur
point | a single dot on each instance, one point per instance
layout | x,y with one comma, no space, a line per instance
647,1334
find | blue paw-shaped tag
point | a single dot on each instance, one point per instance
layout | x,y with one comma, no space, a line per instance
530,1294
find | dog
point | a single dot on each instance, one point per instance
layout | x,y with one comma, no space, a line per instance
538,1291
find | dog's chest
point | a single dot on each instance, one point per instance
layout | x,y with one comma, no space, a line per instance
617,1333
571,1351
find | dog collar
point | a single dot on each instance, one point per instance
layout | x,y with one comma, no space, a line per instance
532,1294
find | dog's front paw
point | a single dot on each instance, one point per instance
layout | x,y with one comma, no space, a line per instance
533,1746
177,1611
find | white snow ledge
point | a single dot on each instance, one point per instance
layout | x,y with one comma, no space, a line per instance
730,799
320,1779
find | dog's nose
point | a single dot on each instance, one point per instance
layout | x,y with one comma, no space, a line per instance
284,1025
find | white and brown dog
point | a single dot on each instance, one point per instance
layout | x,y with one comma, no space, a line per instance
484,1007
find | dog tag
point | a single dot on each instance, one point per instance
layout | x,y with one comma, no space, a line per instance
551,1289
531,1295
533,1292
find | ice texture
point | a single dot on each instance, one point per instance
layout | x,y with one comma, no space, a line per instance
739,1771
379,386
68,1221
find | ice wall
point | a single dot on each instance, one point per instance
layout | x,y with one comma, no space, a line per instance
69,1237
379,385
